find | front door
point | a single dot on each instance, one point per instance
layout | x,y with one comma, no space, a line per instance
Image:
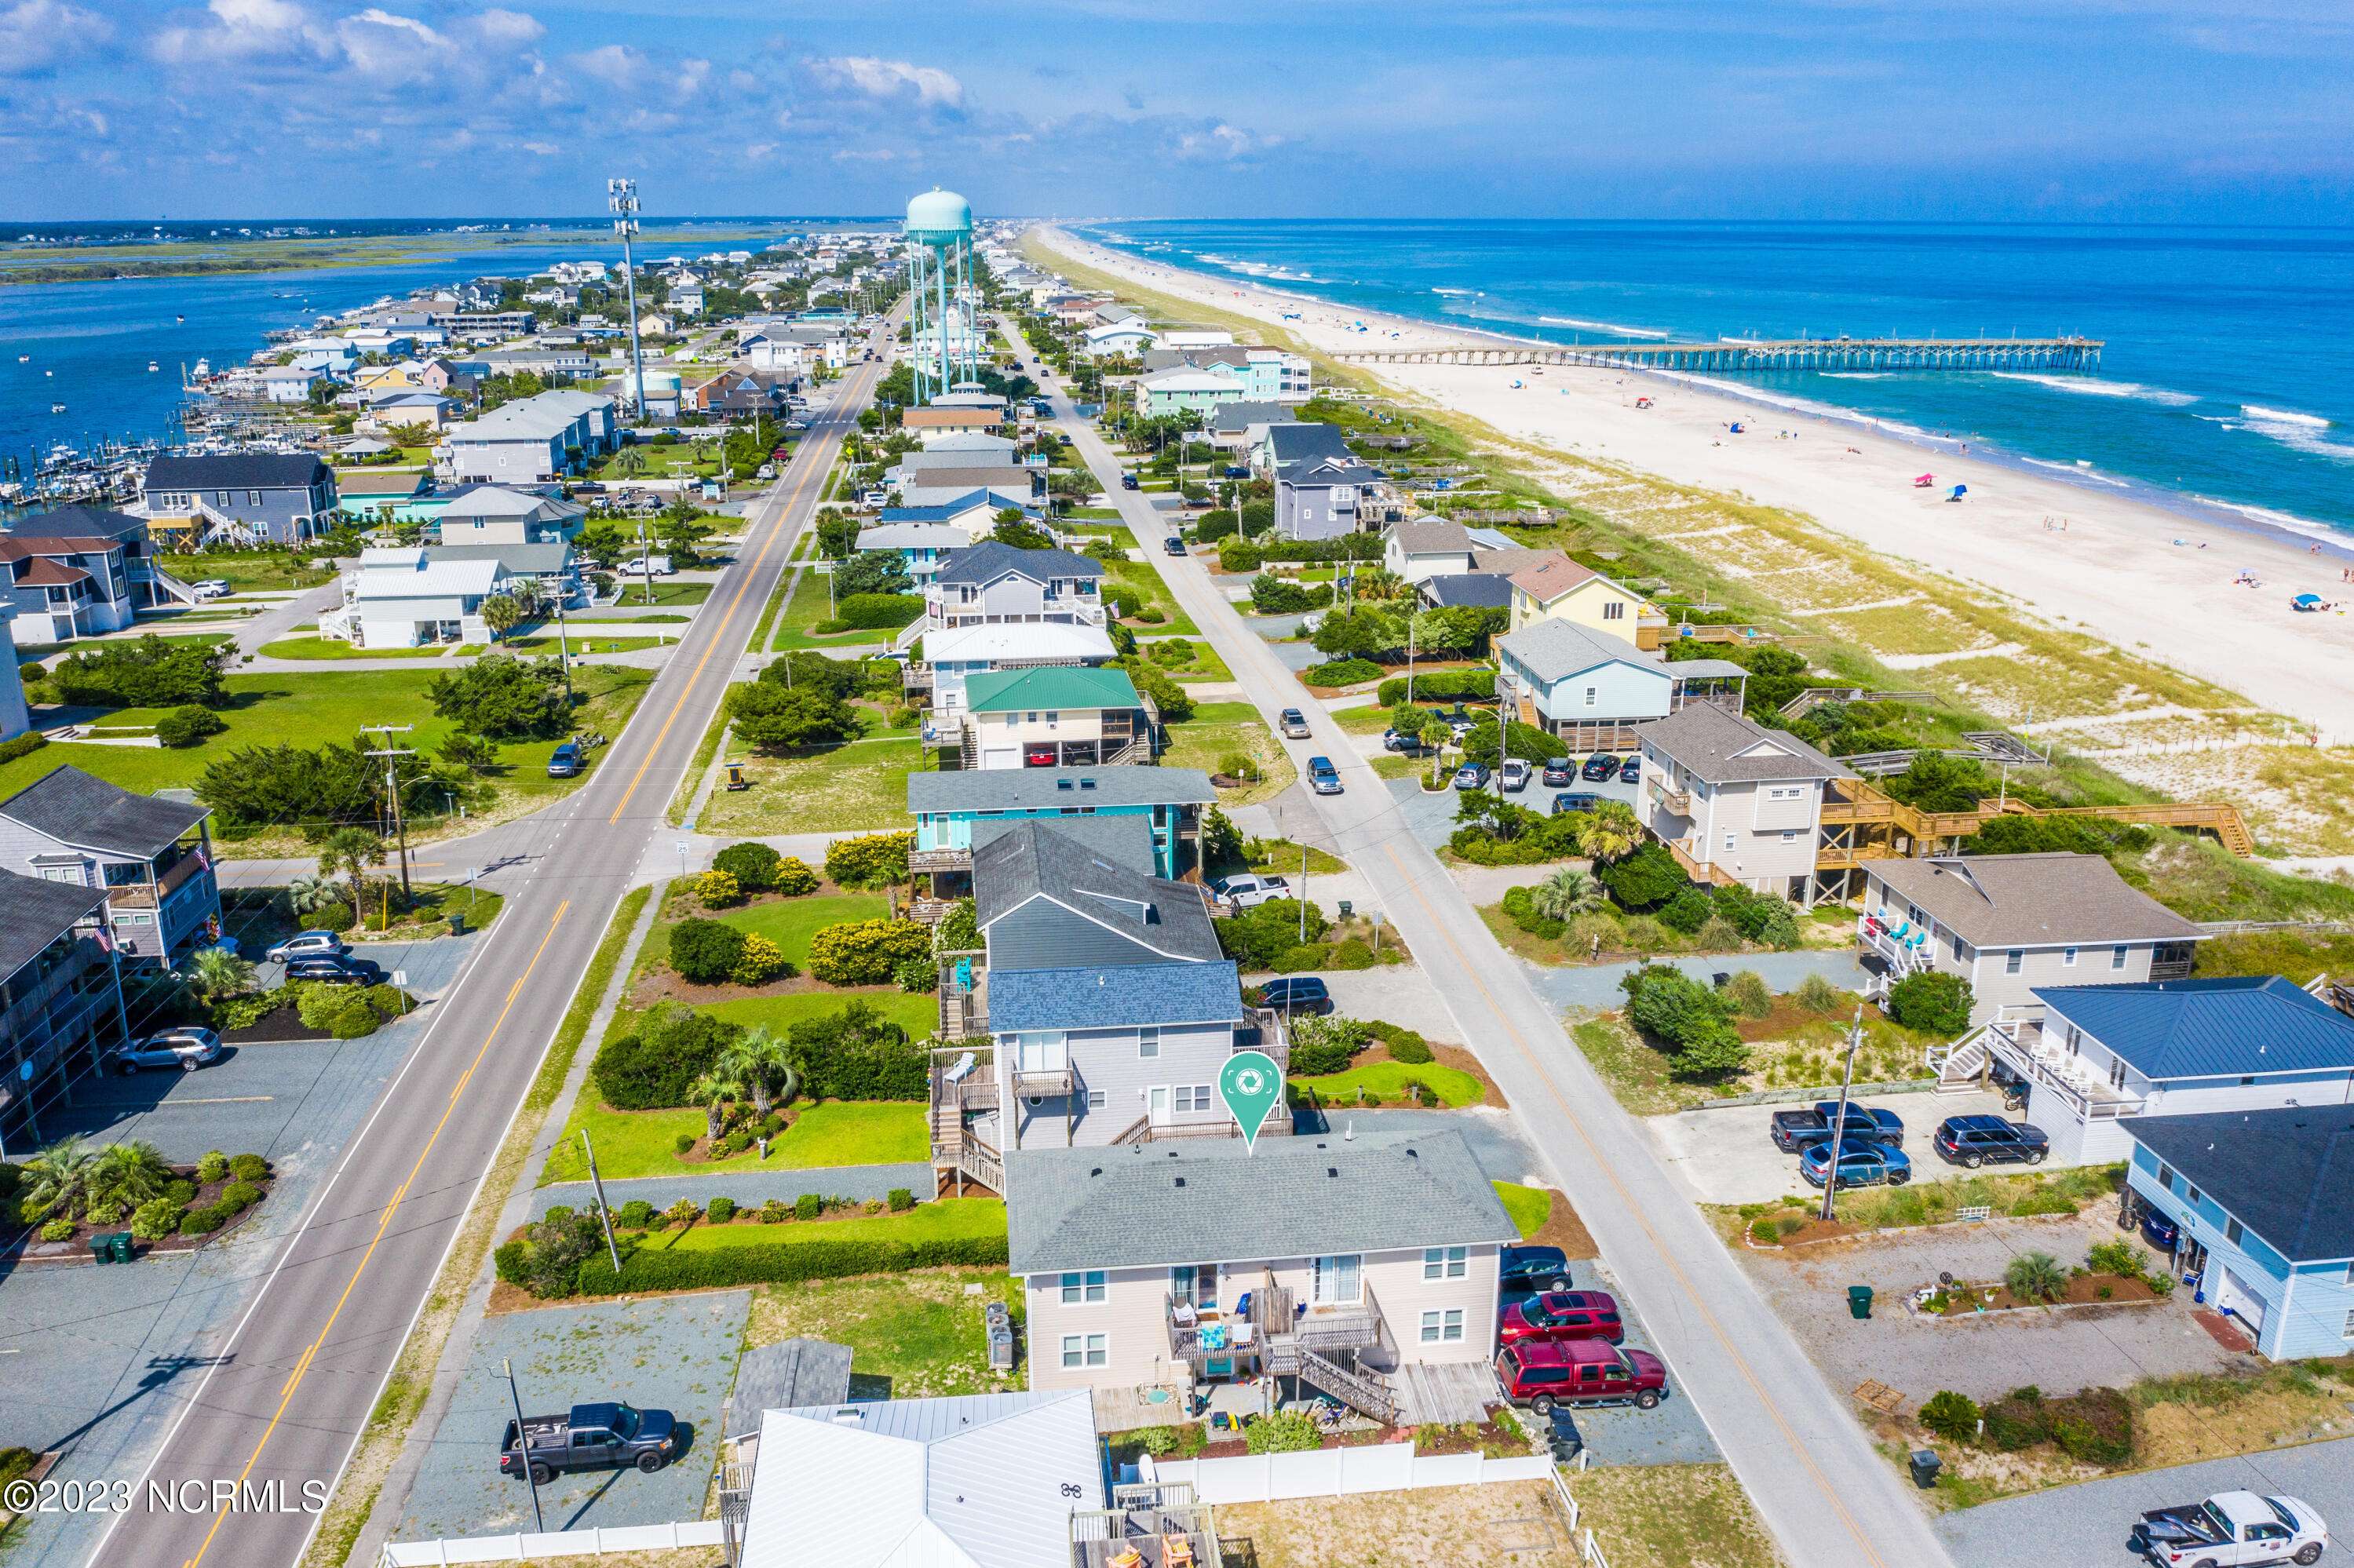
1156,1104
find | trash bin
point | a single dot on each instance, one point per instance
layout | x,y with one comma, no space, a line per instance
1347,908
1563,1436
102,1250
1858,1301
119,1244
457,923
1926,1465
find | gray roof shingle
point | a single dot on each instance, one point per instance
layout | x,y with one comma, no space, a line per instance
1302,439
2029,900
2284,1175
1211,1200
74,808
993,559
35,912
1553,649
1037,788
786,1375
236,471
1468,590
1035,860
1711,744
1120,996
1124,841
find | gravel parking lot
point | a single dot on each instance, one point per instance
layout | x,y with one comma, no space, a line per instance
1727,1156
1670,1434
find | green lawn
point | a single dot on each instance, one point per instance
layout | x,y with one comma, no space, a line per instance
247,570
540,642
1204,665
918,1015
666,592
809,605
861,785
336,648
1220,730
1144,577
792,922
830,1133
1529,1207
943,1220
1449,1086
918,1335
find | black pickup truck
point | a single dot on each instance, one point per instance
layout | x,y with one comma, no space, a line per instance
603,1436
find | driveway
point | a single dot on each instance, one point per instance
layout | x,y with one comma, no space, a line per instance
1670,1434
1727,1155
676,1353
2059,1350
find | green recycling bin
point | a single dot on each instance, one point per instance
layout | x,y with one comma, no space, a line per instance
102,1251
1858,1301
119,1244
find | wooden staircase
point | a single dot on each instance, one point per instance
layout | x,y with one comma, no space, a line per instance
1363,1392
1960,1065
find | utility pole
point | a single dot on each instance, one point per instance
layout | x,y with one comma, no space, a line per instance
597,1184
621,196
564,643
1303,893
391,754
1839,1122
522,1446
646,560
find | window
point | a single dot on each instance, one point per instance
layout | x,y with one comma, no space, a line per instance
1614,610
1094,1099
1194,1097
2067,958
1443,1326
2349,1324
2232,1232
1590,691
253,498
2191,1192
2117,957
1147,1042
2166,1177
1957,946
1444,1263
1081,1287
1728,842
1086,1349
1337,1281
2013,961
1194,1283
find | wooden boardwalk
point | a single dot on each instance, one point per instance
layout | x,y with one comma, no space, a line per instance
1786,353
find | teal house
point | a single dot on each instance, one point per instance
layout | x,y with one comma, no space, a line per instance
1141,818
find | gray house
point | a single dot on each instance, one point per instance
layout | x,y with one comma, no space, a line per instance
276,498
1320,485
150,858
60,997
995,582
1735,801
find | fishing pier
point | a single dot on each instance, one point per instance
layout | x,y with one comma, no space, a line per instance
1789,353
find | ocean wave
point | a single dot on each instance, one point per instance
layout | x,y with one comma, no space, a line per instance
2077,471
2304,527
2256,411
1617,327
1855,375
1807,405
2093,386
2298,432
1473,293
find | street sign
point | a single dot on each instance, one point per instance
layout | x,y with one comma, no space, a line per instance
1251,1084
400,978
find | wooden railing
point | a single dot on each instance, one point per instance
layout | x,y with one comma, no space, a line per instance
1694,869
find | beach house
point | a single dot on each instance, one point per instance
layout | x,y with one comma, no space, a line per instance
929,424
1321,488
1586,687
1424,547
1053,716
998,582
1238,426
1122,339
403,597
1171,392
1366,1266
1153,812
61,585
2259,1199
61,998
532,440
2010,923
1561,589
497,514
250,498
2091,1055
1732,800
955,654
922,546
151,857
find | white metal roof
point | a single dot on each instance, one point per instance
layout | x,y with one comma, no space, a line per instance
1017,639
914,537
984,1481
432,579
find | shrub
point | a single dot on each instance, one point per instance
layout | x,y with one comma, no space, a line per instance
657,1268
182,1192
2093,1426
58,1230
706,951
500,696
512,1261
1404,1045
1688,911
684,1213
102,1214
553,1250
682,1143
212,1166
202,1221
917,976
1341,672
336,1011
1953,1416
1157,1441
249,1168
1259,936
1762,1231
870,859
2119,1256
807,1206
186,727
775,1211
857,1054
32,672
761,962
637,1214
1326,1045
1748,993
753,865
1440,686
1351,954
900,1201
2035,1276
1519,906
650,1068
1302,957
155,1219
148,673
1817,994
1645,879
1292,1432
718,889
1932,1001
778,718
2018,1420
721,1212
866,952
878,611
238,1196
336,916
793,878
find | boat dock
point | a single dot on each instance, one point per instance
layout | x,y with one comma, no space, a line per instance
1789,354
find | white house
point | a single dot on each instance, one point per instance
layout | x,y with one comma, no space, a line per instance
953,654
1195,337
1735,801
923,545
403,597
1129,338
289,383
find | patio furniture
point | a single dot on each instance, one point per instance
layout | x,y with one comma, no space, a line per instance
1176,1550
1129,1557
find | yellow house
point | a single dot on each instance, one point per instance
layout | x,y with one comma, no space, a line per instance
389,378
1561,590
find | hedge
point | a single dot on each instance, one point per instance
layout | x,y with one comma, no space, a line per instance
878,611
1440,685
1341,672
784,1263
870,859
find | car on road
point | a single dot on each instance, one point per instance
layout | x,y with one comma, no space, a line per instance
1562,1315
1295,993
566,761
1631,770
1861,1163
2232,1528
1322,776
1237,471
1577,801
1293,722
186,1049
314,944
345,970
1543,1373
641,565
1975,1140
1533,1269
1249,890
1516,775
1560,771
768,471
211,587
1173,546
1472,775
1601,765
1127,482
1795,1129
604,1437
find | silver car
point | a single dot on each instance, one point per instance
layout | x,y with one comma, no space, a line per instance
314,944
186,1049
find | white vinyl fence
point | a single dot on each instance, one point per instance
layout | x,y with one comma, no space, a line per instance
1336,1472
528,1547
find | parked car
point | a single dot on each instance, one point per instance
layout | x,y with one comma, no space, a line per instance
314,944
1560,771
1563,1315
1249,889
1516,775
1294,725
1795,1130
186,1049
1601,765
606,1436
2161,1231
211,587
1472,775
340,971
1174,545
1631,770
1533,1269
640,565
1295,993
1040,757
566,761
1411,744
1237,471
1574,801
1322,776
1976,1141
1545,1373
1861,1163
2232,1528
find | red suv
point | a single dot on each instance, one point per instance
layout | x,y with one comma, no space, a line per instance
1563,1315
1542,1374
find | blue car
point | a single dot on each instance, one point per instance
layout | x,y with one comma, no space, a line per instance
1322,776
1885,1125
2162,1232
1861,1163
1533,1269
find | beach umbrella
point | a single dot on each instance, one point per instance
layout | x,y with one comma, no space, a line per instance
2307,602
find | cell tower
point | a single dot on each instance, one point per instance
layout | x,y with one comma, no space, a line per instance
939,268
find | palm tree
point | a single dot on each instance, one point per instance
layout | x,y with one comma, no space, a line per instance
351,851
1567,894
711,1091
2035,1276
755,1059
502,612
1435,733
216,972
127,1173
1610,833
55,1177
310,890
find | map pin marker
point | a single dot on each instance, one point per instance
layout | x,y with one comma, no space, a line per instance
1252,1086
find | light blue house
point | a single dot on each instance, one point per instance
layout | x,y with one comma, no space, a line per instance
1587,687
2265,1205
924,545
1143,814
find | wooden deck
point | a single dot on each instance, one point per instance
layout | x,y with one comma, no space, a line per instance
1446,1393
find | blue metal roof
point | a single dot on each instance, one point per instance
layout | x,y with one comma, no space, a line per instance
2230,1027
947,510
1020,1000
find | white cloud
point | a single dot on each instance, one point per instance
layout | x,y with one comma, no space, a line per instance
892,79
38,34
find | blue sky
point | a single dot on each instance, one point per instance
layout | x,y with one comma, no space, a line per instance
2081,110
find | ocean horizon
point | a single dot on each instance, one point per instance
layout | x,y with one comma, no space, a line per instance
2226,377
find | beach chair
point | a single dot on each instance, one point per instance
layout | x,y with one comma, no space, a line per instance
1176,1550
962,1071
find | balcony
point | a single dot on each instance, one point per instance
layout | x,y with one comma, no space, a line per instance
1155,1525
1036,1082
1676,800
1904,948
928,862
2022,1045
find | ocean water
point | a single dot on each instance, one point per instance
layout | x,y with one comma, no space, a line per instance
2227,379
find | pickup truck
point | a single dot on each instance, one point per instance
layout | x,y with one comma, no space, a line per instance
2232,1528
1248,891
1795,1129
603,1436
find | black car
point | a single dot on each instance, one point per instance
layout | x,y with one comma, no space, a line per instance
345,970
566,761
1127,482
604,1437
1578,802
1295,993
1631,771
1535,1268
1174,545
1559,771
1976,1141
1601,765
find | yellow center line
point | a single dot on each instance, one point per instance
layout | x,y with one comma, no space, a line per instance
383,1226
817,470
1610,1173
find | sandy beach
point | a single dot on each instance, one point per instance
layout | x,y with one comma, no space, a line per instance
2113,567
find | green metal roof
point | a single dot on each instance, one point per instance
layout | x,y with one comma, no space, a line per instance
1054,686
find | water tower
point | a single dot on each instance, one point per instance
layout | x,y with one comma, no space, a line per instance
939,266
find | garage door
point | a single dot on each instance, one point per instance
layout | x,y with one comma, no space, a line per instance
1000,756
2237,1298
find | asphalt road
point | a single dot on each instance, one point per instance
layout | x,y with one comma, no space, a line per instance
305,1364
1806,1465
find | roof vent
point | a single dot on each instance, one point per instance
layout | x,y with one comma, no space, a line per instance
1333,1171
1095,1171
1087,783
1062,783
1414,1154
849,1415
1181,1181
